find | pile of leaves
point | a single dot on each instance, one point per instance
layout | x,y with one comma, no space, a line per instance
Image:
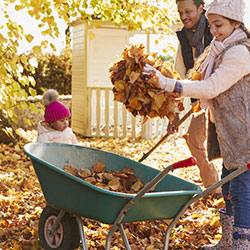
137,90
123,181
22,201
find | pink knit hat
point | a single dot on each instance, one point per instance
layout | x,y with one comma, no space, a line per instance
54,110
232,9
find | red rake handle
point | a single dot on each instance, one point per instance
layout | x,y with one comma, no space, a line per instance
185,163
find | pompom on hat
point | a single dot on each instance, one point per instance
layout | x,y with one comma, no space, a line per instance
232,9
54,110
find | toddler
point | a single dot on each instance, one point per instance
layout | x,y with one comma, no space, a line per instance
55,126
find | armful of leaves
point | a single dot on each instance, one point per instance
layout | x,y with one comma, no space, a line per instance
137,91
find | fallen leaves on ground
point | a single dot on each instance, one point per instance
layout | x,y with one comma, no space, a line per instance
22,201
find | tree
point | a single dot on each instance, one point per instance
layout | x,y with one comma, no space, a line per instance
146,15
52,71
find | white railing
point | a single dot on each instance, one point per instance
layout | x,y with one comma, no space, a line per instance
110,119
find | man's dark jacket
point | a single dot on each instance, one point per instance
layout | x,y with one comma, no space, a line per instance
186,49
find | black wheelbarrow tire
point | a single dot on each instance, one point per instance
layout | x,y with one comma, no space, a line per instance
66,237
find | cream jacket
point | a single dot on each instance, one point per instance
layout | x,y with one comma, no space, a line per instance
228,89
47,134
235,64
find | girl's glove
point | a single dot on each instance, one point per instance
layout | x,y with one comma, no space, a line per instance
164,82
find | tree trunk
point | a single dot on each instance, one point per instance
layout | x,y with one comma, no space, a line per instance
7,133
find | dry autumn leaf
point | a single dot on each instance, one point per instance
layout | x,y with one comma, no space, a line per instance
69,169
137,186
114,184
83,173
91,180
128,171
99,167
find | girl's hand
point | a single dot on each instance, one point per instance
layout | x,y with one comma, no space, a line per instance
164,82
170,129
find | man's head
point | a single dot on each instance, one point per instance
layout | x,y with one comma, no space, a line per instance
190,12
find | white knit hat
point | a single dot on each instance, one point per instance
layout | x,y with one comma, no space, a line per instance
232,9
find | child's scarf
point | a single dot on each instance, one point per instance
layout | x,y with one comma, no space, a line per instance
216,49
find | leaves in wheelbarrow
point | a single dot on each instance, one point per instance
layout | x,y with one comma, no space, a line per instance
119,181
137,91
83,172
115,184
69,169
99,167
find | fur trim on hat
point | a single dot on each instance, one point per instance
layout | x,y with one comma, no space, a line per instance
49,96
54,110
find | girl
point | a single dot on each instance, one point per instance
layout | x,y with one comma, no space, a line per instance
225,90
55,128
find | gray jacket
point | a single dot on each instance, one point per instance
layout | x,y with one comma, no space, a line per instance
232,121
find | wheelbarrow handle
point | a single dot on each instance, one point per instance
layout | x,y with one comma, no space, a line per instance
198,196
185,163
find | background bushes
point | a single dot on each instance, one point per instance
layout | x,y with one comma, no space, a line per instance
53,71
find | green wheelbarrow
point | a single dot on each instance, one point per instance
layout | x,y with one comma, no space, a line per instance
70,198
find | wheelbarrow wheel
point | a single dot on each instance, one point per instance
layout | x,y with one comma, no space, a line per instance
66,236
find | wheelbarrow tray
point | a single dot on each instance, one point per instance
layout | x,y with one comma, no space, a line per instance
71,194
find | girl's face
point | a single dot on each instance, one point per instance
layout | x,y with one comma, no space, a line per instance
60,125
221,27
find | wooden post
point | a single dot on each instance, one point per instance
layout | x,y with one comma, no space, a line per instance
124,121
98,112
89,113
148,125
115,119
106,113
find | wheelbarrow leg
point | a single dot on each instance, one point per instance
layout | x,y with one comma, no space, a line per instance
83,239
123,234
124,237
197,197
125,209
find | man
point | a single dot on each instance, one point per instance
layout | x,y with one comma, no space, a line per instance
193,39
194,36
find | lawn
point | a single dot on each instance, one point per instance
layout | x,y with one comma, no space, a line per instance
22,201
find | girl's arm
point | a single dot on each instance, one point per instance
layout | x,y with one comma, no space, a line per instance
235,64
